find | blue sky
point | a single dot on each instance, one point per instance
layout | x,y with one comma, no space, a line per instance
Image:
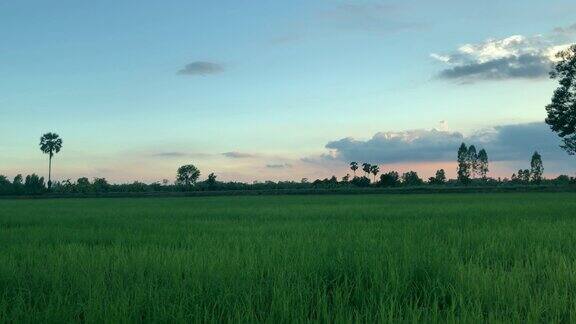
138,88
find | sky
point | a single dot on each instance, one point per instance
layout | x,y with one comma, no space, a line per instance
277,90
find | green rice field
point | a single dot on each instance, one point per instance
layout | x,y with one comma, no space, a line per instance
504,257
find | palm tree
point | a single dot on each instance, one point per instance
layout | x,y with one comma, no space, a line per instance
354,167
366,168
374,169
50,143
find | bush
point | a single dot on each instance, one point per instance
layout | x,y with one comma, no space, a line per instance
411,178
390,179
34,185
360,182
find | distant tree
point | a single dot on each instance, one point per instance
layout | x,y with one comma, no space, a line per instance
390,179
65,186
472,158
17,180
439,178
483,164
562,110
304,180
463,165
5,185
526,176
83,181
411,178
366,168
50,143
187,175
4,180
211,181
18,184
83,185
536,168
346,178
522,177
360,181
165,182
34,184
100,185
374,169
354,167
562,179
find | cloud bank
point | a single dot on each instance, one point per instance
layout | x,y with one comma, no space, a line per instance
201,68
279,166
514,57
170,154
237,155
503,143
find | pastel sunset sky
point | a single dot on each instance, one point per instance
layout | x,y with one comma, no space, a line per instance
278,90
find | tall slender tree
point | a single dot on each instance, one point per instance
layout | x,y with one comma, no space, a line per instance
354,167
374,169
472,159
562,110
50,143
463,166
536,168
483,164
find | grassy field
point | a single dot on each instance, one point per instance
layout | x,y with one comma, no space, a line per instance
433,258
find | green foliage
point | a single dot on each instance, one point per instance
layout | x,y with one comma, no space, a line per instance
326,259
472,161
439,178
389,179
211,181
360,182
562,110
374,169
354,167
536,168
563,179
463,165
34,185
83,185
50,143
18,185
366,168
482,164
100,185
5,185
326,183
411,178
187,175
522,177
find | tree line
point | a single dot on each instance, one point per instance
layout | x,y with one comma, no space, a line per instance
473,166
472,169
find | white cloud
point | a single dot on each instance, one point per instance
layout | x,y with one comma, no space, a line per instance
513,57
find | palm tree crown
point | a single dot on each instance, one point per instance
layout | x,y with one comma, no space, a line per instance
50,143
374,169
354,167
366,168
